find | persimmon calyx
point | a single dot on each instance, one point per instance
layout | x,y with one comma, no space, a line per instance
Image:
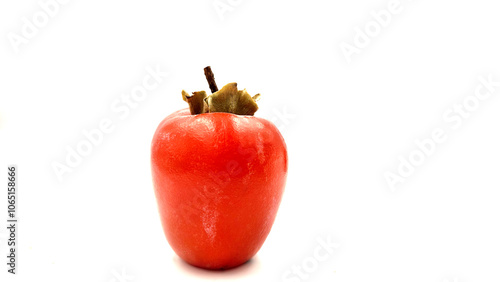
227,100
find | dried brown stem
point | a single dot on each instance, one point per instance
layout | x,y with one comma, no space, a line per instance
211,80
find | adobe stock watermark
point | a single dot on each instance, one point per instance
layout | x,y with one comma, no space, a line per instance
454,117
121,108
120,276
281,118
222,7
31,26
363,36
323,251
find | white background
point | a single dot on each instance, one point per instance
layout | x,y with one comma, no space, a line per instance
345,124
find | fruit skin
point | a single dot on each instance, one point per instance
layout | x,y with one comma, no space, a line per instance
218,179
